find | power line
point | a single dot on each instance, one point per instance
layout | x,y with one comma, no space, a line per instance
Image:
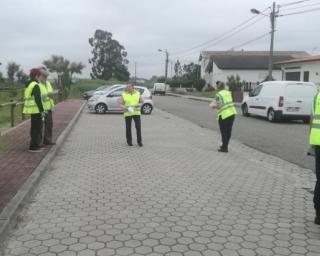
217,38
300,7
227,36
294,13
250,41
293,3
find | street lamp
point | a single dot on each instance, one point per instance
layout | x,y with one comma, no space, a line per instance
166,64
273,15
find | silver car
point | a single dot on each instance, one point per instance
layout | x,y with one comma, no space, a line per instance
109,101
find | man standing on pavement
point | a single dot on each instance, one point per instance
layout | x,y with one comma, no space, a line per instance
315,141
226,114
48,106
130,103
33,106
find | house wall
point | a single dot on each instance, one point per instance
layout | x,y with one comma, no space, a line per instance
252,76
313,68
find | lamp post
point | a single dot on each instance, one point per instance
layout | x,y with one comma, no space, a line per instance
273,15
166,64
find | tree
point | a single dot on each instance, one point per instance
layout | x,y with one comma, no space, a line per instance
191,71
60,66
22,77
109,57
12,69
1,77
234,83
177,70
76,68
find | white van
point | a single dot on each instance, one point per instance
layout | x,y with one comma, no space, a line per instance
278,100
159,88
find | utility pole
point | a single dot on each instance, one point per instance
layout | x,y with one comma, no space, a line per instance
166,70
273,16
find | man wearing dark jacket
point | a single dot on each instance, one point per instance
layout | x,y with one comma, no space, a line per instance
33,106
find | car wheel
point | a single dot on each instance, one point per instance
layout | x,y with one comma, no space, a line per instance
101,108
271,115
146,109
245,111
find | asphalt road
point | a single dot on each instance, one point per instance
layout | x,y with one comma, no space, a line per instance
287,140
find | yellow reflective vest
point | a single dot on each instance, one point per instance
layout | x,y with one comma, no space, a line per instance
30,106
46,89
131,100
228,109
314,138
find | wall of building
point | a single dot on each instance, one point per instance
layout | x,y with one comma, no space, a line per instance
313,68
250,76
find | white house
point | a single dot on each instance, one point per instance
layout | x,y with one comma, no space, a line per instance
302,69
251,66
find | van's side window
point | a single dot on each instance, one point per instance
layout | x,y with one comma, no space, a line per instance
256,91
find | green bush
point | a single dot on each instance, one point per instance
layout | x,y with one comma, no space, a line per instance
181,83
199,84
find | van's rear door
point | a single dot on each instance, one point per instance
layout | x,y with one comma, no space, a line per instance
298,98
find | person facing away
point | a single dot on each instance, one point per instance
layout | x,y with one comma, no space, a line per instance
314,140
48,104
33,106
130,101
226,113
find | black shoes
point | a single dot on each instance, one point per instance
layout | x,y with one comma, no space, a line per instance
140,144
317,218
35,150
222,149
130,144
49,143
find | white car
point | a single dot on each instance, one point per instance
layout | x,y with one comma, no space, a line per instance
109,101
278,100
159,88
104,90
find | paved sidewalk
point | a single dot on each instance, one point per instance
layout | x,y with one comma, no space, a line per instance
174,196
16,163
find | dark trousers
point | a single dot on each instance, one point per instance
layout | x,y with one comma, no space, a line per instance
36,131
316,197
48,124
137,122
225,130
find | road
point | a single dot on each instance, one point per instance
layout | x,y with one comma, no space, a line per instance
286,140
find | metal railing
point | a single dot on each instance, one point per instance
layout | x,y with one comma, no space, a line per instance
13,104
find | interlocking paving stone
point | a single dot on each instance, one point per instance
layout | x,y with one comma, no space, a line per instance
174,196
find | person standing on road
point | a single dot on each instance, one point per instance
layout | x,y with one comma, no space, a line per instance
314,141
33,106
48,103
130,103
226,114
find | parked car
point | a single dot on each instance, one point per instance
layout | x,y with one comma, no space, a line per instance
104,90
88,94
159,88
278,100
109,101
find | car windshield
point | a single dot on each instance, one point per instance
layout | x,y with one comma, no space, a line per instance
102,87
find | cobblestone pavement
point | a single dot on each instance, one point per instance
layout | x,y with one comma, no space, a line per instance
175,196
16,165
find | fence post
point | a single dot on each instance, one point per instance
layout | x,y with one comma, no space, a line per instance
12,112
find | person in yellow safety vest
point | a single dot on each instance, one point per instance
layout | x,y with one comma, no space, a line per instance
131,101
33,106
314,141
226,113
48,106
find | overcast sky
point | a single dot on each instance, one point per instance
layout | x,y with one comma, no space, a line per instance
32,30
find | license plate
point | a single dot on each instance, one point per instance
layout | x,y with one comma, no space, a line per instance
293,109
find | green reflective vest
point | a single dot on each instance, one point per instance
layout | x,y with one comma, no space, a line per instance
30,107
131,100
314,138
228,109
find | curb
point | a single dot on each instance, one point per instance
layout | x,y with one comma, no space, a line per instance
8,216
204,99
